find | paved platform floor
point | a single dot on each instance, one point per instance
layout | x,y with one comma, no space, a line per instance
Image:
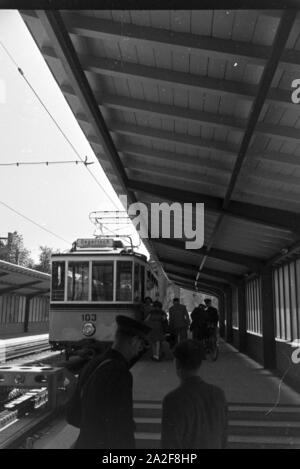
242,379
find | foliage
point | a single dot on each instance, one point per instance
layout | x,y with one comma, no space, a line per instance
15,251
44,264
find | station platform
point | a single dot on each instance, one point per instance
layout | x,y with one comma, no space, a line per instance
263,411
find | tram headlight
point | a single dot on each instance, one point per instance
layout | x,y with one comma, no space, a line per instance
88,329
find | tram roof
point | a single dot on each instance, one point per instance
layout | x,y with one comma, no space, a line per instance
22,281
190,106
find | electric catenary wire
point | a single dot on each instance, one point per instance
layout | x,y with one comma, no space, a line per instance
34,223
47,163
54,121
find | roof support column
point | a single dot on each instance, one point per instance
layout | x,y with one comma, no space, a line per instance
242,318
228,315
268,319
222,315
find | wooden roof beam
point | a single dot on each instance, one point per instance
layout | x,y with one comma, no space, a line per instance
250,212
207,282
188,285
165,77
231,278
229,256
281,37
189,115
219,176
146,153
179,173
215,48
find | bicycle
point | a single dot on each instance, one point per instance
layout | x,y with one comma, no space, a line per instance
211,343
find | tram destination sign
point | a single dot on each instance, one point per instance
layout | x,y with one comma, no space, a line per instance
88,243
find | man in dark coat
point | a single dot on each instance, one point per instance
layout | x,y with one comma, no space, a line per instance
194,414
178,320
198,322
212,314
106,391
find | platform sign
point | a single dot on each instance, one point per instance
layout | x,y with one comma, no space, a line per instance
88,243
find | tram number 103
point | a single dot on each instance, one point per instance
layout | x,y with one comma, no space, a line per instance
88,317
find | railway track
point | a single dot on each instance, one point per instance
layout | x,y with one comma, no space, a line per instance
20,347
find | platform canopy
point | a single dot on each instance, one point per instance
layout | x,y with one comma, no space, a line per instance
191,106
22,281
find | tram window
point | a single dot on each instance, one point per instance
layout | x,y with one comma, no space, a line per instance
78,281
102,281
124,281
58,281
137,282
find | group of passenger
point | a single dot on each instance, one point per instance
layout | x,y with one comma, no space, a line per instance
194,415
175,328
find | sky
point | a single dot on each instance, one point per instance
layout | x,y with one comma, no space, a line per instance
58,197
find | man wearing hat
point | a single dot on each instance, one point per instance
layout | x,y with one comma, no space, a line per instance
106,390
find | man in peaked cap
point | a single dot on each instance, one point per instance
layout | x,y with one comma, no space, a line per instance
106,390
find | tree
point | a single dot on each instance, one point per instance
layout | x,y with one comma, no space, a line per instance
44,259
15,252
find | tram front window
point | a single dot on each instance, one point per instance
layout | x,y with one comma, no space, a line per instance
102,281
78,281
58,281
124,281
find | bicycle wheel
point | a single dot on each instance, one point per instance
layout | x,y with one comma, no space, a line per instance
213,351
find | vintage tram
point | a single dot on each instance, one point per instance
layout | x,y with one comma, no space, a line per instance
98,279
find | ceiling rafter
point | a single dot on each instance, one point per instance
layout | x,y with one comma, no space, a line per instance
219,176
166,136
231,278
208,282
140,106
215,86
282,34
251,263
201,288
259,214
148,153
217,48
179,173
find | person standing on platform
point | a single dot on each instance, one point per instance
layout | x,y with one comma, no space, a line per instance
156,320
212,317
178,321
194,415
146,307
105,390
212,314
198,321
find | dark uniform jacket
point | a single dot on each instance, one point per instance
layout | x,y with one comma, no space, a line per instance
212,315
178,317
106,404
194,417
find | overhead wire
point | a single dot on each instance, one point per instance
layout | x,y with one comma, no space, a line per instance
47,163
55,122
34,222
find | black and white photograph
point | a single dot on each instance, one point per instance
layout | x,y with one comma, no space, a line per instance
149,228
